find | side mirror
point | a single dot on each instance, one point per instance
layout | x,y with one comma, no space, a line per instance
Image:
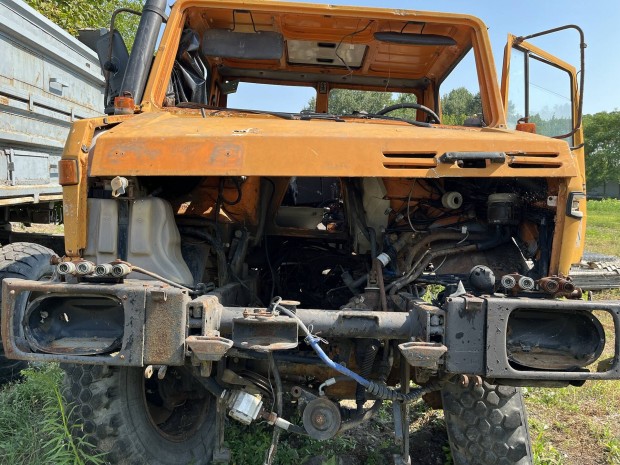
113,57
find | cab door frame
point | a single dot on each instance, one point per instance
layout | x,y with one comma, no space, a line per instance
569,237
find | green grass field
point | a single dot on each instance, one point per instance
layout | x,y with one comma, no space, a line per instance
569,426
603,227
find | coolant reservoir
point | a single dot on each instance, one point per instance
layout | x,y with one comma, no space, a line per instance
153,240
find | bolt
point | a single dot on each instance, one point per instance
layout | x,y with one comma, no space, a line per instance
319,419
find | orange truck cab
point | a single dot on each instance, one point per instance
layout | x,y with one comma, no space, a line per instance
377,245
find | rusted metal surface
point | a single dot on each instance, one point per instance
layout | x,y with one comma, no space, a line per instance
201,201
208,348
261,330
155,321
165,326
216,150
484,328
340,323
132,294
423,354
321,419
74,324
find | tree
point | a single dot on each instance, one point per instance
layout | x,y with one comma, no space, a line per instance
602,139
460,104
346,102
73,15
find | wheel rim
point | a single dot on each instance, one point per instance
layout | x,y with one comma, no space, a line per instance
175,411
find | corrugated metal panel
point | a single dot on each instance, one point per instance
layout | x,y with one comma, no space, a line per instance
48,79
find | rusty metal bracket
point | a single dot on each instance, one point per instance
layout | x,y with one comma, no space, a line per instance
499,310
423,354
205,350
265,332
210,346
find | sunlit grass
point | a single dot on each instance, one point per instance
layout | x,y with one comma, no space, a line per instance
603,225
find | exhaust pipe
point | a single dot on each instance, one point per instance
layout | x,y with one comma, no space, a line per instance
134,81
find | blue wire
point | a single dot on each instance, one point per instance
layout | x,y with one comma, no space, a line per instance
314,343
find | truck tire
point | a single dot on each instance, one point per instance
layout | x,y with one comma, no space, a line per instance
487,425
123,415
26,261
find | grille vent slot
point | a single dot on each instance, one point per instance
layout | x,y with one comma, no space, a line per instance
520,160
408,160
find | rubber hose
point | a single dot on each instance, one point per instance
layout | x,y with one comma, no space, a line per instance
377,389
368,351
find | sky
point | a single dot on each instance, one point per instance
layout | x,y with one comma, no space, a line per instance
600,20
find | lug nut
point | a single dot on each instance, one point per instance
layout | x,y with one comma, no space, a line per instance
65,268
120,270
85,267
103,270
508,281
526,283
549,285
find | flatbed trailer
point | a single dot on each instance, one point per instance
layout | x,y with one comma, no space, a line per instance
48,80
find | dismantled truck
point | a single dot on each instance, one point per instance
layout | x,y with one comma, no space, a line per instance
221,260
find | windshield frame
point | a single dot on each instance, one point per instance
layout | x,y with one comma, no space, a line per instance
487,76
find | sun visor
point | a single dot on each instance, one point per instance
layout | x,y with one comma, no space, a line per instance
224,43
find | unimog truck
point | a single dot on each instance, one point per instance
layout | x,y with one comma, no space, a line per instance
223,262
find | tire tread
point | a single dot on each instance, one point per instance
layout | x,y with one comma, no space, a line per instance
23,260
487,425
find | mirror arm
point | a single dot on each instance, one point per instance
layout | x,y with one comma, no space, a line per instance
112,25
582,46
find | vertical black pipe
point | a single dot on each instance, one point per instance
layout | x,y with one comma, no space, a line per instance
141,56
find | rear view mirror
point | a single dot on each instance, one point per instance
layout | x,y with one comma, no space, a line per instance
244,45
113,57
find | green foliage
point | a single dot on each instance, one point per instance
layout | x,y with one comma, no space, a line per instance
346,102
249,445
602,231
552,126
73,15
606,207
543,451
34,427
602,138
458,105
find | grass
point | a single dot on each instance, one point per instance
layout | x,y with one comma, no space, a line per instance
580,425
34,427
603,226
569,426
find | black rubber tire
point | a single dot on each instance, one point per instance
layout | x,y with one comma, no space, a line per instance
26,261
108,408
487,425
